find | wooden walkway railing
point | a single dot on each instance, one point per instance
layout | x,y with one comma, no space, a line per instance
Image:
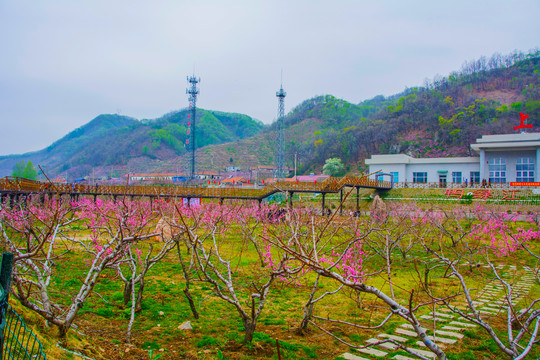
10,185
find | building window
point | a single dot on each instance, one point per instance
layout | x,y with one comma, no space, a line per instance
419,177
379,178
497,170
395,176
475,177
525,169
456,177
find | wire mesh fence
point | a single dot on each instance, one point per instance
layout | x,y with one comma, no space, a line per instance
16,340
19,341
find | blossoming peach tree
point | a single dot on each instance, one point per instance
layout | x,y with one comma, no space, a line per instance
40,236
446,241
207,231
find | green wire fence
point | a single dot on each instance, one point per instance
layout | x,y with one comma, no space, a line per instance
19,341
16,340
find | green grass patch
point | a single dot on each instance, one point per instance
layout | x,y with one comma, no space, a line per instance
471,334
207,341
273,322
106,312
151,345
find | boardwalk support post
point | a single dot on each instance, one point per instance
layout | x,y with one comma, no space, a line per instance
290,198
357,198
341,202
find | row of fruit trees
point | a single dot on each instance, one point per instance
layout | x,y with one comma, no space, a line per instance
443,248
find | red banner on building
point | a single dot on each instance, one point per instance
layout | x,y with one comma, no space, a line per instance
525,183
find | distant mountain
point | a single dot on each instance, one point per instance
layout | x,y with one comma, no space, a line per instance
111,142
439,119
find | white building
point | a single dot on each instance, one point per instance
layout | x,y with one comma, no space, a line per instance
503,158
405,168
156,176
510,157
232,169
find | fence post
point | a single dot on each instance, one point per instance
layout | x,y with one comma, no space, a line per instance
5,282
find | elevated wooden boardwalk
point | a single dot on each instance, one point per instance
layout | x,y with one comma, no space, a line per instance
16,187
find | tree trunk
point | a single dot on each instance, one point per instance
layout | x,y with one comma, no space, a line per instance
187,278
308,308
127,292
249,326
308,312
138,306
62,331
388,266
191,302
133,309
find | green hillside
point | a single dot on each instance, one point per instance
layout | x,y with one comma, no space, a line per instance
114,141
440,119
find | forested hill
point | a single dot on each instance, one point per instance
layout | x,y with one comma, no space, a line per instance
112,141
439,119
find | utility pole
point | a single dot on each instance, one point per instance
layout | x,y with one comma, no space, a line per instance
295,158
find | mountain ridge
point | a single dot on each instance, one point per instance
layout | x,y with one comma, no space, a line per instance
440,119
111,140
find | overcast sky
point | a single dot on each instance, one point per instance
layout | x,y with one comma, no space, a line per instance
62,63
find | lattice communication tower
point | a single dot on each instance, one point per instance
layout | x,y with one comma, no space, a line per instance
192,91
280,146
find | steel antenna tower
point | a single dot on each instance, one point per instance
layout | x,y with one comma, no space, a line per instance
280,146
192,91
